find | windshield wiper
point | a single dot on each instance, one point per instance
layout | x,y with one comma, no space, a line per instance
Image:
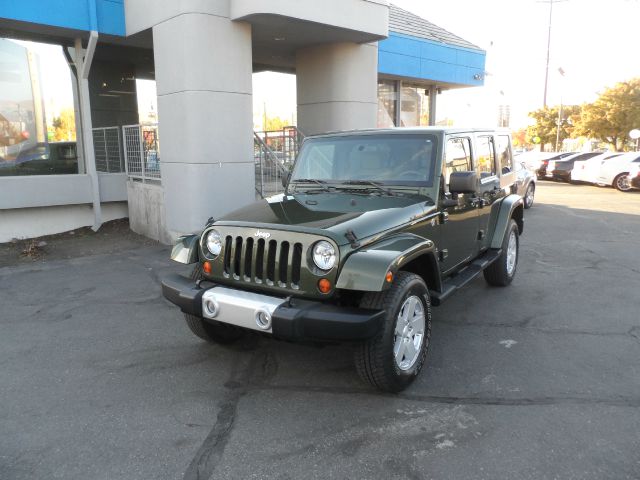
370,183
321,183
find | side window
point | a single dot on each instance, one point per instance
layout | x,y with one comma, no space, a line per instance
457,156
503,152
486,165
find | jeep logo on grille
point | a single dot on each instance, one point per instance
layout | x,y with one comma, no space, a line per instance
260,234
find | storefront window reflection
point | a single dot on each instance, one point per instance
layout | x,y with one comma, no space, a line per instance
415,107
412,102
387,103
37,122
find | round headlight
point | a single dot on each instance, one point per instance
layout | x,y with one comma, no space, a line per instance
324,255
214,242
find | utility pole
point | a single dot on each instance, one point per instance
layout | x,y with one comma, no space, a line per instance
546,74
559,123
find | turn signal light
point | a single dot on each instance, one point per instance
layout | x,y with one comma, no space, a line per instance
206,266
324,285
389,277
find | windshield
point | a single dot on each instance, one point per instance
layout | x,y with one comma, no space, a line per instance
402,160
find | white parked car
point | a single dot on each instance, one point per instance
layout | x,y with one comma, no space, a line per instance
587,170
634,175
615,172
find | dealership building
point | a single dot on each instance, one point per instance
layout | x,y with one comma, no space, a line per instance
358,64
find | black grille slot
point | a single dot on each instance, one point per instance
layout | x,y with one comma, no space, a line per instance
283,262
296,262
260,260
227,254
276,262
271,260
237,253
248,257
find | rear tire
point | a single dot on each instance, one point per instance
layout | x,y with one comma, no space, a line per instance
529,195
621,182
501,272
211,331
392,359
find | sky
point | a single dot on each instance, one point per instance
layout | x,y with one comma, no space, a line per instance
595,42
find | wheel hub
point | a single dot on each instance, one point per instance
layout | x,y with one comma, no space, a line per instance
512,253
409,334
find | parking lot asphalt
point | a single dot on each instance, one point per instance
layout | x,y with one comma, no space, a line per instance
100,378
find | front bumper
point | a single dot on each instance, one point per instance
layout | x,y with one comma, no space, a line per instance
290,319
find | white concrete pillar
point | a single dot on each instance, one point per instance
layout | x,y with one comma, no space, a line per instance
203,77
337,87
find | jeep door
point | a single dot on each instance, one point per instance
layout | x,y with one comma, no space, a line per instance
459,217
491,173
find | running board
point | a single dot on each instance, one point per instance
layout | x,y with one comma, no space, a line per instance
459,280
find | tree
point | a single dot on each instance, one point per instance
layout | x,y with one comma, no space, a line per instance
520,138
64,126
546,126
276,123
613,115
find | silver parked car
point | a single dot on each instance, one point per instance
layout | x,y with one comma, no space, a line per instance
525,183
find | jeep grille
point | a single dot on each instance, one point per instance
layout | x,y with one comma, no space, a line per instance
260,261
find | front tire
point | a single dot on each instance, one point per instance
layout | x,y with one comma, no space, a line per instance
210,331
621,182
392,359
501,272
529,196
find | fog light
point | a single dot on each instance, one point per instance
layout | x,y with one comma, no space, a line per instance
263,319
211,308
324,285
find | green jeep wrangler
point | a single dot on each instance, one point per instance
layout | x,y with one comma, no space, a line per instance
374,227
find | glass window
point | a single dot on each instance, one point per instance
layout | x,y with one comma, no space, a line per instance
388,159
457,156
415,107
37,119
503,151
387,100
485,157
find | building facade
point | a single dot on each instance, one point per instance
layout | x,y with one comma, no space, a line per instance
358,64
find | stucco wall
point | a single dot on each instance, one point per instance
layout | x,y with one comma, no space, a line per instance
34,222
147,211
48,190
337,87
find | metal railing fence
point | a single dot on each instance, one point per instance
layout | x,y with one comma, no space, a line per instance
274,154
142,152
108,150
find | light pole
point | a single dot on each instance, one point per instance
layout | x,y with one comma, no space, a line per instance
546,74
559,122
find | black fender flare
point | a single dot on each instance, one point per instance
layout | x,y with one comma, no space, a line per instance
366,269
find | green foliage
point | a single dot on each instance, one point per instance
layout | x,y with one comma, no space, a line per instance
64,126
546,126
613,115
276,123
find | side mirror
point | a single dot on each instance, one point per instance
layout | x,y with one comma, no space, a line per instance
463,182
285,179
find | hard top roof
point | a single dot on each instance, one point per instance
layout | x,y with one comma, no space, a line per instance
412,130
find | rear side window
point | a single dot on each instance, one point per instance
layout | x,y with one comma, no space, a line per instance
457,156
503,151
485,157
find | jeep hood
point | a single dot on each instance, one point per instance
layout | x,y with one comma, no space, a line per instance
331,214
